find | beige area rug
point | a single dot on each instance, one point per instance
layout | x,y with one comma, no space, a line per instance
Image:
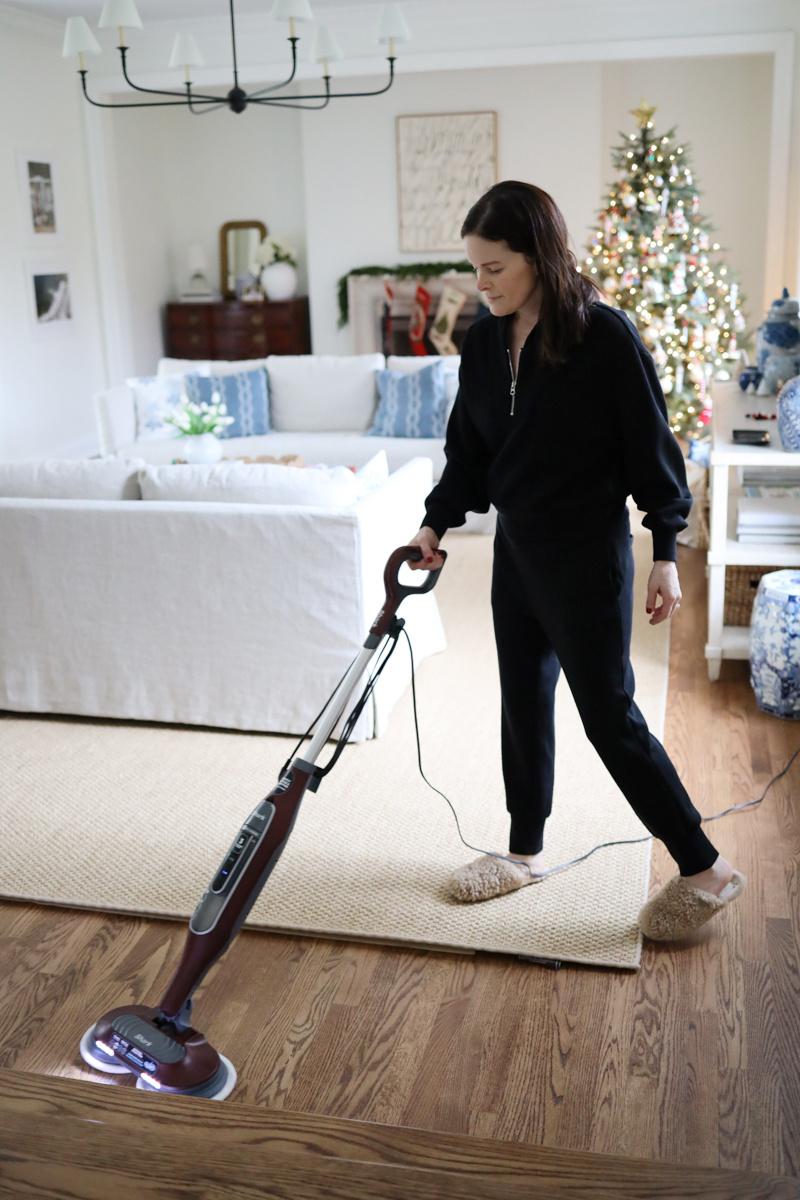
134,818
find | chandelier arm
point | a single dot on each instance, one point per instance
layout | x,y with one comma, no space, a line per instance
155,91
289,102
328,94
182,103
276,86
377,92
279,102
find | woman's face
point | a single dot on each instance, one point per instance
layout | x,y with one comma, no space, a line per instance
506,277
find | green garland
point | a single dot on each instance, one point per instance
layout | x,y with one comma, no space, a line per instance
423,271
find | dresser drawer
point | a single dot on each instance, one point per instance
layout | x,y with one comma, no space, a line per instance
183,343
194,317
232,329
234,345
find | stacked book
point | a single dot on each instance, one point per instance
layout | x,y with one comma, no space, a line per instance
769,513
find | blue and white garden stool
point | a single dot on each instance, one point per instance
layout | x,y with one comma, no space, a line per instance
775,644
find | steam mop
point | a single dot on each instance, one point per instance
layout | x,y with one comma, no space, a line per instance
159,1045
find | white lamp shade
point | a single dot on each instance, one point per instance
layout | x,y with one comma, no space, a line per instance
282,10
119,14
324,45
186,53
196,258
79,39
392,24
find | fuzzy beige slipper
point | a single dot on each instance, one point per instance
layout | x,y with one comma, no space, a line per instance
679,908
486,878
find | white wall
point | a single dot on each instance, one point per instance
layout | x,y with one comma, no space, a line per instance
548,132
722,107
179,178
46,384
556,124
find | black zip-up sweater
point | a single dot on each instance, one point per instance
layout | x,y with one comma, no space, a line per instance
562,451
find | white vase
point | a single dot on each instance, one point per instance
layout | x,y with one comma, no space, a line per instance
279,281
201,447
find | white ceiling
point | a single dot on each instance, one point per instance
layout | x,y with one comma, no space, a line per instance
165,10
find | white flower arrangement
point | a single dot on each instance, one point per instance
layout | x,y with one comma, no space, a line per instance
273,250
189,418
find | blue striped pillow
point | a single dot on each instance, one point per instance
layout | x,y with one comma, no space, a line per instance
412,405
243,394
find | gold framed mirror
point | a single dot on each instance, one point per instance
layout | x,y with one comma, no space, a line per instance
238,242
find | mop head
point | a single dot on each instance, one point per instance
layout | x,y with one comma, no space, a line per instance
486,878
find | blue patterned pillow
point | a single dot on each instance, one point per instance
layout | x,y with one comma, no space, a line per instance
243,394
412,405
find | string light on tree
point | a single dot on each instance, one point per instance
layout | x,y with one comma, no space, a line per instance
653,255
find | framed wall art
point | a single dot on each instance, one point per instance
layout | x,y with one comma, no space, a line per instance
37,179
50,297
445,161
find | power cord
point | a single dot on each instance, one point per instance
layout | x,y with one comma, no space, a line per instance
540,875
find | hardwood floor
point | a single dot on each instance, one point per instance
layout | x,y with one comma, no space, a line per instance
694,1060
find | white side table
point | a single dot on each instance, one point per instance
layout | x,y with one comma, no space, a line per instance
730,404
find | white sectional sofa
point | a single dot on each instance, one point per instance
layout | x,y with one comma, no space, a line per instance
235,615
309,418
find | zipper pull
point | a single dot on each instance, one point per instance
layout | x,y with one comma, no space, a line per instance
513,382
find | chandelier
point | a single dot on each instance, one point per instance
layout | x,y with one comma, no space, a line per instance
122,14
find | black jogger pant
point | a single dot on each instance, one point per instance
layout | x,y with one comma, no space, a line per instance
570,605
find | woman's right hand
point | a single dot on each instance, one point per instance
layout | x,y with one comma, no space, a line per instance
428,543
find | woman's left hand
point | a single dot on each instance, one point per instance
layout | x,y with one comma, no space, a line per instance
663,582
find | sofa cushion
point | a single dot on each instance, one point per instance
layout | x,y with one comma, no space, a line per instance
202,366
412,404
251,483
80,479
323,392
244,394
414,362
153,397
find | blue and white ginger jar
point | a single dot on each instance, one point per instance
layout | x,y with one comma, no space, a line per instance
789,415
778,344
775,644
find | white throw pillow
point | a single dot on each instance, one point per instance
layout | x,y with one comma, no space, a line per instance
79,479
316,393
251,483
415,362
373,473
153,397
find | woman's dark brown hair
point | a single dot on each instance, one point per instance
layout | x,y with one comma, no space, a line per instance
529,221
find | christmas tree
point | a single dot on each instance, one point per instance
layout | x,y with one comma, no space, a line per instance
654,257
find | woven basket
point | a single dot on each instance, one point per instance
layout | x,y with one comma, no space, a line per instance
741,584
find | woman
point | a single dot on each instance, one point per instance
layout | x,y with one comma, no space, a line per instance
559,417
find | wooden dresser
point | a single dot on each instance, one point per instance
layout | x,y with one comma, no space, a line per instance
232,330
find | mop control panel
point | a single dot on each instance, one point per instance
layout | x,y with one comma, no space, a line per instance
232,868
140,1043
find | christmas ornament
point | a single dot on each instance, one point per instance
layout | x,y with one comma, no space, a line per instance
699,300
644,114
677,283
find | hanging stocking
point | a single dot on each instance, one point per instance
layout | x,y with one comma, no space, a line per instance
387,318
450,305
419,317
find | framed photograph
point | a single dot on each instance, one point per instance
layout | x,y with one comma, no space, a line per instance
50,298
445,162
37,179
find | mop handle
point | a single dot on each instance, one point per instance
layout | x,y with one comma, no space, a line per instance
259,844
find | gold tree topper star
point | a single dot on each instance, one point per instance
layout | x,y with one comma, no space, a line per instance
643,114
